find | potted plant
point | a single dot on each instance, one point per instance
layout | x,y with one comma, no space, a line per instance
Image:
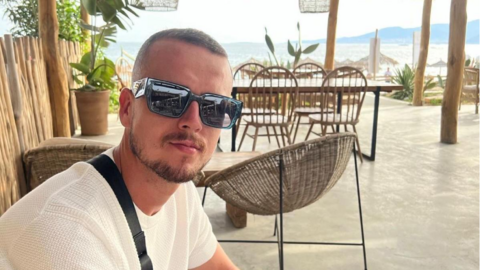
95,72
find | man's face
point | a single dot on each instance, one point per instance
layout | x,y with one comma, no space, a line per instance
177,148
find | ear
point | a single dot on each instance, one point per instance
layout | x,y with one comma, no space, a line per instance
126,107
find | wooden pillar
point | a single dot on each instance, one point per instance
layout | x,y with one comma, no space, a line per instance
331,35
56,76
422,59
455,66
85,17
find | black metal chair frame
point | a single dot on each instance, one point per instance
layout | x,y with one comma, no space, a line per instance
278,231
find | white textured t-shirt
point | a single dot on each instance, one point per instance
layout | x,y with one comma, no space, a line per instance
74,221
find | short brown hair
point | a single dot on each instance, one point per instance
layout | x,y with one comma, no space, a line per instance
188,35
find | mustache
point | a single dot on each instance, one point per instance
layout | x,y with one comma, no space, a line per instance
184,136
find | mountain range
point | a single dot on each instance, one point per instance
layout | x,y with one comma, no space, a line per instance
399,35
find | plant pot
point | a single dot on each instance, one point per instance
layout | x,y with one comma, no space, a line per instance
93,111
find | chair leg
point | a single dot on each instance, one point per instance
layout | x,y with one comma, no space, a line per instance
288,135
204,195
268,134
276,227
238,125
294,118
309,130
358,144
283,136
276,136
243,136
296,129
255,137
324,130
360,207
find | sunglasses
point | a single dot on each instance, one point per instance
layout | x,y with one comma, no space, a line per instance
172,100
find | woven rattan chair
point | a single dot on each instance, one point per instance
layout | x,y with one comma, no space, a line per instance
308,103
347,108
470,85
246,72
305,172
56,155
273,89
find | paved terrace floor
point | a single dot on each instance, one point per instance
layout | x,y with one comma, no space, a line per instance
420,200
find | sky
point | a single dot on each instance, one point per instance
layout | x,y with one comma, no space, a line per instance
245,20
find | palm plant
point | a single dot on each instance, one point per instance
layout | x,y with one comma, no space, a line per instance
406,78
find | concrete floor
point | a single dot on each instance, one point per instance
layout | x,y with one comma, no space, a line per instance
420,200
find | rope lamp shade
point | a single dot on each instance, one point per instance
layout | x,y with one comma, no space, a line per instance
158,5
314,6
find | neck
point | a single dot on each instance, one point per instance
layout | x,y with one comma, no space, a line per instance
148,191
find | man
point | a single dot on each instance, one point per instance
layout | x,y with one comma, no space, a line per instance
74,221
388,75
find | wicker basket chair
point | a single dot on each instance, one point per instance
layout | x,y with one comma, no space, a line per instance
307,102
56,155
471,86
274,90
305,172
347,108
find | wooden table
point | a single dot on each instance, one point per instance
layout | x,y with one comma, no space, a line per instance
306,86
220,161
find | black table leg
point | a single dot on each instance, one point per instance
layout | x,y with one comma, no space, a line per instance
375,124
234,128
339,107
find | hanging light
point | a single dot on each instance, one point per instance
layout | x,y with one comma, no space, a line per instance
157,5
314,6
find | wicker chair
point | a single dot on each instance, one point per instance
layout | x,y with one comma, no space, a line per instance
307,103
349,104
305,172
271,90
56,155
123,69
470,85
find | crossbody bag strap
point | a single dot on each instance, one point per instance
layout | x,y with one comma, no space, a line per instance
108,169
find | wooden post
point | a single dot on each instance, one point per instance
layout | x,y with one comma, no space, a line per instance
56,76
455,66
375,56
331,35
85,17
422,58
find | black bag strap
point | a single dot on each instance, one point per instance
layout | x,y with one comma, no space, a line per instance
107,168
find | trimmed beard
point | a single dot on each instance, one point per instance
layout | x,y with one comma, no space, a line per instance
160,168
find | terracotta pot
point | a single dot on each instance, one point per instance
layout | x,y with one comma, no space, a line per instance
93,111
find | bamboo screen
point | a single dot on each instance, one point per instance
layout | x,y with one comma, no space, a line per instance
25,113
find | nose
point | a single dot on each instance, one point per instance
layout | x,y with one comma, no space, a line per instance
190,120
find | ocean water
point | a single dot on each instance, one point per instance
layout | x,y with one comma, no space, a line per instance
402,53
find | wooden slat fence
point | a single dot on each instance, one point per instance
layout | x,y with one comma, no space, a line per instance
25,113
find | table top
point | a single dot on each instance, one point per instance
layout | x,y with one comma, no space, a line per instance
308,85
223,160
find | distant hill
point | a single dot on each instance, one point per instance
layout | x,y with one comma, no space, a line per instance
399,35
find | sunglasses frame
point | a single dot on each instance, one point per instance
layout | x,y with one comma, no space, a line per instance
143,87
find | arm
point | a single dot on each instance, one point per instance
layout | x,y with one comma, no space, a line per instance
219,261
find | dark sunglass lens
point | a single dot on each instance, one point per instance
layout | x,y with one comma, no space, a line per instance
217,111
168,101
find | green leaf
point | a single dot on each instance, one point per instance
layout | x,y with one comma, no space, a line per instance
81,67
291,51
108,12
269,43
297,58
89,27
131,10
310,48
117,21
89,6
86,59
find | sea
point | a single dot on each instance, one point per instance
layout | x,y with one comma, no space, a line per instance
402,53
